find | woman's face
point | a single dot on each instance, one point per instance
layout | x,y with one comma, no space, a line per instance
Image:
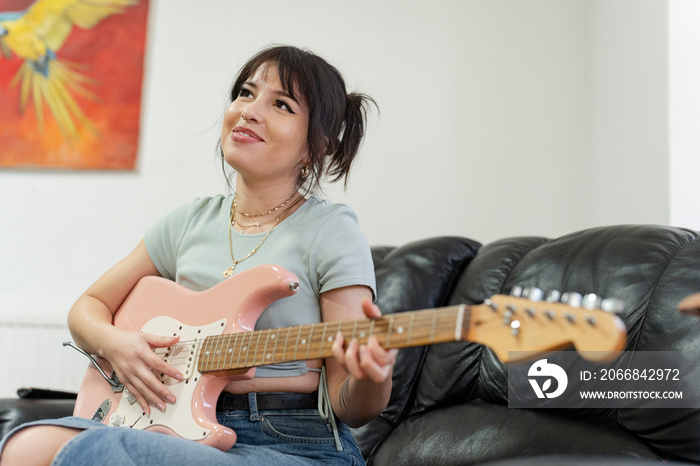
269,145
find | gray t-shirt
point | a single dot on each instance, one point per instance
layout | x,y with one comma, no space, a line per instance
321,243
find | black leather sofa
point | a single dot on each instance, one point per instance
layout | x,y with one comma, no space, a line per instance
449,404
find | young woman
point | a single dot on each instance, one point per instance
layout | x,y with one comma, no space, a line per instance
290,124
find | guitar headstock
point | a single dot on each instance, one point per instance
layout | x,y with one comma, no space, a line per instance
530,323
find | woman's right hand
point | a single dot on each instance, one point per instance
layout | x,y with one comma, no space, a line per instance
134,361
130,352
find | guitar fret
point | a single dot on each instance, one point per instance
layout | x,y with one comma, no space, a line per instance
246,348
250,348
221,356
323,340
460,320
264,357
226,349
200,354
388,334
296,347
209,344
240,348
410,328
308,347
240,338
255,349
219,348
204,351
195,350
286,340
274,336
228,360
432,327
212,353
400,329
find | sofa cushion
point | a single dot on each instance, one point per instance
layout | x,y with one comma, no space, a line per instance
478,431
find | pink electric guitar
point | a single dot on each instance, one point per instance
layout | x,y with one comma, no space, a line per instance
218,345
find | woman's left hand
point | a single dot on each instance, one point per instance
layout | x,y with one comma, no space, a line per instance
365,361
691,304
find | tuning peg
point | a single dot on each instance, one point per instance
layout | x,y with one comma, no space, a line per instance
517,291
533,294
591,301
493,306
553,296
571,298
515,328
614,305
507,317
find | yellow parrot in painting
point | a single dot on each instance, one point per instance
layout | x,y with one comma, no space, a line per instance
36,35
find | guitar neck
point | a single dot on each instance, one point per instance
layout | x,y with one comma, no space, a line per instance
234,352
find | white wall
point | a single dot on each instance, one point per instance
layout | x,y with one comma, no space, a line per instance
498,118
628,154
684,112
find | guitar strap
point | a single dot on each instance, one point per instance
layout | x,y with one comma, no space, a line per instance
325,410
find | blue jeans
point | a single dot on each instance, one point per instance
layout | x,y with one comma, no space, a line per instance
269,438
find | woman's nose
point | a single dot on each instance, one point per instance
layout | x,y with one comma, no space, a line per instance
251,112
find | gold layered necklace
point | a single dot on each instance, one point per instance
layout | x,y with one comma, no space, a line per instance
262,214
231,270
258,224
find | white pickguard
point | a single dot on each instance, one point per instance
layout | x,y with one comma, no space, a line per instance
182,356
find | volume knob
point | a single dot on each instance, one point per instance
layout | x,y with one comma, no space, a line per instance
117,419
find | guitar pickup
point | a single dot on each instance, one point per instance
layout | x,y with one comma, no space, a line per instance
183,354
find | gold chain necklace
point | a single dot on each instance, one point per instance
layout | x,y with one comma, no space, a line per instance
231,270
245,227
262,214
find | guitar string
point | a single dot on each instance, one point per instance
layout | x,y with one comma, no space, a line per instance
365,325
178,354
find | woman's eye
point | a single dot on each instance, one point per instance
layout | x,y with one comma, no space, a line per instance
283,105
244,93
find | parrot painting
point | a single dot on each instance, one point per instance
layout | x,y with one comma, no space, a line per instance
36,36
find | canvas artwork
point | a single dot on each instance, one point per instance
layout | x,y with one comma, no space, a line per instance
71,73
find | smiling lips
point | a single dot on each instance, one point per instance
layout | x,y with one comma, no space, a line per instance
241,134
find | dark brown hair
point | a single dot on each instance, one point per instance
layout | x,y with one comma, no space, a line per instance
337,119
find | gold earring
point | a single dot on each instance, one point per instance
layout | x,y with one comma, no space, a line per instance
304,171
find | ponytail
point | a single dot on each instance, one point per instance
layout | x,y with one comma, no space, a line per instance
352,133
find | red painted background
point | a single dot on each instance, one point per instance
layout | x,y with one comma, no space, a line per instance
111,55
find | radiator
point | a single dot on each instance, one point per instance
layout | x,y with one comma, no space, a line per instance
33,356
